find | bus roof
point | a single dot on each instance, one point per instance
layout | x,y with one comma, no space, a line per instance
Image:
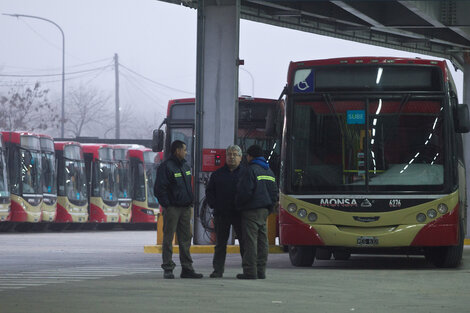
138,152
59,145
293,66
93,148
193,100
14,136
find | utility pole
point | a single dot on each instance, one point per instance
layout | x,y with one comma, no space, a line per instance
116,74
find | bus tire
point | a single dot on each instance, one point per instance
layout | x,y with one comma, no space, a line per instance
449,256
301,255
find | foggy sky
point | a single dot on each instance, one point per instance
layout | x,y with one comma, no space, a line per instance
154,39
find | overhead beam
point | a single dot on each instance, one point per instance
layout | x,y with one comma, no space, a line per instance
349,8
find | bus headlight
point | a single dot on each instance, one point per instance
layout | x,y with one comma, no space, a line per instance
432,213
292,208
302,213
442,208
312,217
420,217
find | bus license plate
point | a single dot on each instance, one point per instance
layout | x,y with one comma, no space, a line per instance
367,241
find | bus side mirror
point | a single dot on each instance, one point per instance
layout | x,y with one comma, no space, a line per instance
158,139
462,119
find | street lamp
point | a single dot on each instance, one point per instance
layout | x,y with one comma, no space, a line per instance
252,81
63,64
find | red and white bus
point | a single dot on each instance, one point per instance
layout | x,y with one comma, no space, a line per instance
123,181
103,192
24,164
72,196
372,160
49,179
254,116
144,164
5,204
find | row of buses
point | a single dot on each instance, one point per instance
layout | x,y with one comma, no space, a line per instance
43,182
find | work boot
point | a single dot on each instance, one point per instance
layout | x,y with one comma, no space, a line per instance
168,274
245,276
216,274
261,275
190,274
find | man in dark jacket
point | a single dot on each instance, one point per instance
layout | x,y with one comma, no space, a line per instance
257,194
174,193
220,195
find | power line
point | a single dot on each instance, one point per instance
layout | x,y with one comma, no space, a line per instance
109,67
49,75
55,68
138,87
26,82
143,86
46,40
157,83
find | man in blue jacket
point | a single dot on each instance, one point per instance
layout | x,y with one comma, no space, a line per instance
257,194
220,195
174,193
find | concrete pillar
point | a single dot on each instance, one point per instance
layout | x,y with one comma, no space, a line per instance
466,137
216,88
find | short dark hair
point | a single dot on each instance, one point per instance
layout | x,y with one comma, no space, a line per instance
177,144
255,151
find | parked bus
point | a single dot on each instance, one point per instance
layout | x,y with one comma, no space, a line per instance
372,160
123,181
254,116
49,179
144,164
23,150
72,200
103,191
5,205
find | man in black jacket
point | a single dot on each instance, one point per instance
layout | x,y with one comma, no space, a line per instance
257,194
220,195
174,193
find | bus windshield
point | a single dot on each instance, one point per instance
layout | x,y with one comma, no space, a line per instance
48,173
105,186
185,134
4,192
151,172
122,179
151,164
75,181
367,143
30,177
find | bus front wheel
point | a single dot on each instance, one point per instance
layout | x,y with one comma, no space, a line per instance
301,255
447,257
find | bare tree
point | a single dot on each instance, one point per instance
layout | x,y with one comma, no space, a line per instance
27,108
88,111
127,121
144,127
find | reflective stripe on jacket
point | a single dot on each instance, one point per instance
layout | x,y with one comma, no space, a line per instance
257,188
173,183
